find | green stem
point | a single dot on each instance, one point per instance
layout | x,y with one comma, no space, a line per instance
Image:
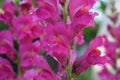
69,75
65,11
19,65
68,68
65,18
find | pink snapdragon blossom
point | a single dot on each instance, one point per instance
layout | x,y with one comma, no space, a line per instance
23,26
75,5
83,18
40,74
107,75
91,56
114,32
6,70
47,10
110,51
26,6
9,11
62,1
10,7
54,4
60,36
28,52
117,33
6,44
79,39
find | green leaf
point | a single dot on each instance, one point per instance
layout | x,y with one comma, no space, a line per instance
1,2
52,62
3,26
34,2
90,33
86,75
103,6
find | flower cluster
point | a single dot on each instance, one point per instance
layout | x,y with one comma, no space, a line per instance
46,28
111,71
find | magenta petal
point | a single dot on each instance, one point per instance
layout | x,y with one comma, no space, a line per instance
73,56
26,6
95,58
6,71
79,39
98,41
6,44
106,75
117,33
10,7
39,74
6,36
110,51
84,18
75,5
92,56
45,12
53,3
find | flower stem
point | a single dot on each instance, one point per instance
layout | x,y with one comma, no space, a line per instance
65,11
19,66
69,75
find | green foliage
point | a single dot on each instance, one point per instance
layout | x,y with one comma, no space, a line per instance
35,4
90,33
16,1
52,62
3,26
1,2
103,6
86,75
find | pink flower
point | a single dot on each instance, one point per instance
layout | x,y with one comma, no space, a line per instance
9,11
110,51
6,44
53,3
26,6
39,71
23,27
79,38
60,52
114,31
117,33
6,71
83,18
10,7
58,33
39,74
62,1
75,6
47,10
107,75
91,56
57,38
20,23
28,54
